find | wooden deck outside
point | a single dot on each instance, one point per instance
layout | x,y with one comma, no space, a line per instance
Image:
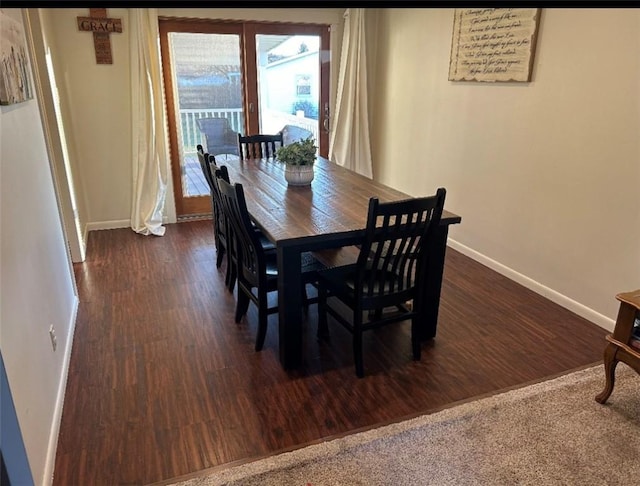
192,178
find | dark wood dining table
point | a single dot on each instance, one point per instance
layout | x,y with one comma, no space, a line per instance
330,213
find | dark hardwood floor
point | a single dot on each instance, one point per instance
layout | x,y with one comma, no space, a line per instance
163,383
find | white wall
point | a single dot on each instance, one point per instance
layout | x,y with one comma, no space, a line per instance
96,104
66,182
36,284
546,174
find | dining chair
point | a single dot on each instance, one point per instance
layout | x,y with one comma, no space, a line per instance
259,146
221,172
257,268
220,138
206,161
387,274
220,226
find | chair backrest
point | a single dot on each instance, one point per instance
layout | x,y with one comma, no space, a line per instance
219,136
204,158
250,254
293,133
259,146
219,172
219,220
394,251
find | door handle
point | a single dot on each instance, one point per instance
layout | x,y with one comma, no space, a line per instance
250,107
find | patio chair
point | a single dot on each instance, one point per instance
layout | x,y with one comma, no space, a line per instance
220,137
293,133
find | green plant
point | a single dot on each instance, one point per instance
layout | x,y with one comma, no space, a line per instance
301,152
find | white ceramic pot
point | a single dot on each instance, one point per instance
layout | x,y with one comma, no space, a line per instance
298,175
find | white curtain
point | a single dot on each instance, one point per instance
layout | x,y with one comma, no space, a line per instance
349,144
148,128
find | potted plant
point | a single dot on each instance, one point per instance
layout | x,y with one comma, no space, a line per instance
298,157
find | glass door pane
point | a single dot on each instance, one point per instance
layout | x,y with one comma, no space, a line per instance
288,73
208,98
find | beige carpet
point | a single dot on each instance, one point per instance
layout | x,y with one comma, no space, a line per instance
550,433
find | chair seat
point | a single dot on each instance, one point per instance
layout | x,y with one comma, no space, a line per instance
310,266
267,245
341,281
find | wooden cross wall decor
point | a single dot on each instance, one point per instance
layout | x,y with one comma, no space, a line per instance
101,26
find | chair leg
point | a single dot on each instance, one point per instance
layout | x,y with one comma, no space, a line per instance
227,275
262,320
219,256
242,305
415,338
323,328
232,279
231,276
357,352
357,342
305,299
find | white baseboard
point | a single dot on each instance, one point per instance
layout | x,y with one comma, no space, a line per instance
115,224
537,287
47,478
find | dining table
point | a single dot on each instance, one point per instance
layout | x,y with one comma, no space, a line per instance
329,213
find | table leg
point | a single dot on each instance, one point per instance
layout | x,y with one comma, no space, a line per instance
289,306
429,303
610,363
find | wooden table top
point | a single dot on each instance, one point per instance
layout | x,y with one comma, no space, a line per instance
336,201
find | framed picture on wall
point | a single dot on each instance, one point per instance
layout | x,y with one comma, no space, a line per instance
15,80
493,44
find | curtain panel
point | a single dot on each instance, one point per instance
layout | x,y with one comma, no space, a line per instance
349,144
149,154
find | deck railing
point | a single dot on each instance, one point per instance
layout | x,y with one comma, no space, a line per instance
272,122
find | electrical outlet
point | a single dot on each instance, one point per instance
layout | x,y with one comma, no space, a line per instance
54,339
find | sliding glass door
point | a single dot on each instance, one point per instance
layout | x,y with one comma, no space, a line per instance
225,78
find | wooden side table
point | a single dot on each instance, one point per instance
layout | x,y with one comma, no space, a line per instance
619,347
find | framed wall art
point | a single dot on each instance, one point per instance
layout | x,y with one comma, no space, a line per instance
15,80
493,44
